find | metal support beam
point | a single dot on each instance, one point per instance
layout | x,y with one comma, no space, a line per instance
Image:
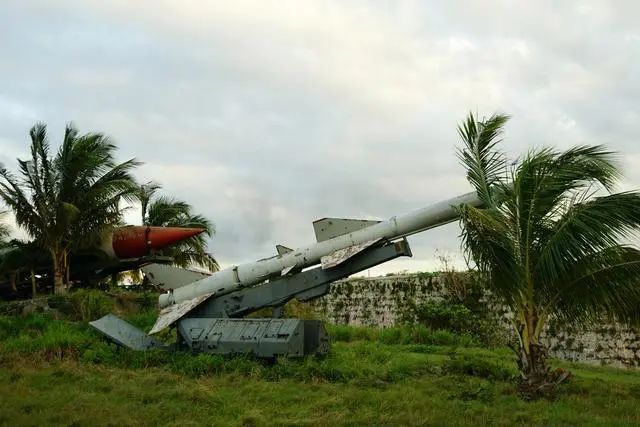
306,285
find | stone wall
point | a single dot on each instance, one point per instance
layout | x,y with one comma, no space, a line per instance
385,301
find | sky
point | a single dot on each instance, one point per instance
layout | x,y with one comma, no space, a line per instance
267,115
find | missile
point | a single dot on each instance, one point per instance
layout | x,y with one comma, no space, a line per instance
135,241
337,240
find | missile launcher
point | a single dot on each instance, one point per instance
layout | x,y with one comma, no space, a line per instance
209,311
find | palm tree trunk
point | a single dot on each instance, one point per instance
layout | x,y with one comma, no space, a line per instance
59,270
534,374
33,284
532,363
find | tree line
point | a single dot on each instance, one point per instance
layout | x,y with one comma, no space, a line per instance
66,200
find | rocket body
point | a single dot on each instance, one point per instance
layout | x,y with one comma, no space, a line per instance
243,275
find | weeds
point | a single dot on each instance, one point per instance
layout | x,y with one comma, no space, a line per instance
401,335
49,368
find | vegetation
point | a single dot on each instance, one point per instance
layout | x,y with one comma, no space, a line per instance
59,372
4,229
68,201
168,212
22,257
550,238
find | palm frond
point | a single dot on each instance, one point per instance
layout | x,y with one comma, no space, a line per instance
70,199
168,212
488,241
485,165
586,229
145,193
606,283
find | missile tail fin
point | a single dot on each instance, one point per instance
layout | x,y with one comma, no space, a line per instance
283,249
328,228
169,277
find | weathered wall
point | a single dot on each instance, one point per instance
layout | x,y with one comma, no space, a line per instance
384,301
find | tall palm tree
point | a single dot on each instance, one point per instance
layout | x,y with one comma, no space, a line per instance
68,200
550,238
168,212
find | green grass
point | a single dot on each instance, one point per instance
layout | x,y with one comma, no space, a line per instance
56,372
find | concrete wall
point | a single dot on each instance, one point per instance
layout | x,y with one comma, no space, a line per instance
384,301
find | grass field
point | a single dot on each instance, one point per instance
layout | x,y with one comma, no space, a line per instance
57,372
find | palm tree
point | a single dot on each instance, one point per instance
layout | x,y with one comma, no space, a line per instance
550,239
168,212
68,200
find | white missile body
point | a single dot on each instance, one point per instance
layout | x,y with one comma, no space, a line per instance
244,275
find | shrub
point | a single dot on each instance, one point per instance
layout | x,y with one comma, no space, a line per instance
82,304
395,335
483,326
444,315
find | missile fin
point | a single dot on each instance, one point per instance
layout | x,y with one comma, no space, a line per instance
283,249
170,277
170,314
287,270
340,256
328,228
124,333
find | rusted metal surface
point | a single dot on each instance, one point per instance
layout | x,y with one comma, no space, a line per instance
174,312
338,257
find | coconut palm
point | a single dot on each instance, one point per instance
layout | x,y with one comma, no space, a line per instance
550,238
168,212
68,200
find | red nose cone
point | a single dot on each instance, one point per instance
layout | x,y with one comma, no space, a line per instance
137,240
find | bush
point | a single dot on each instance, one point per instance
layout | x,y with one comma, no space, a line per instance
458,318
82,304
444,315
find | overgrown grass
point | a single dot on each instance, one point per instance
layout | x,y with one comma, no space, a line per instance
61,372
403,335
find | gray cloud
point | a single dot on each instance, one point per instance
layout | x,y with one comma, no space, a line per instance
266,116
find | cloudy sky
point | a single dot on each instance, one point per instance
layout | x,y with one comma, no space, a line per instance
268,115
